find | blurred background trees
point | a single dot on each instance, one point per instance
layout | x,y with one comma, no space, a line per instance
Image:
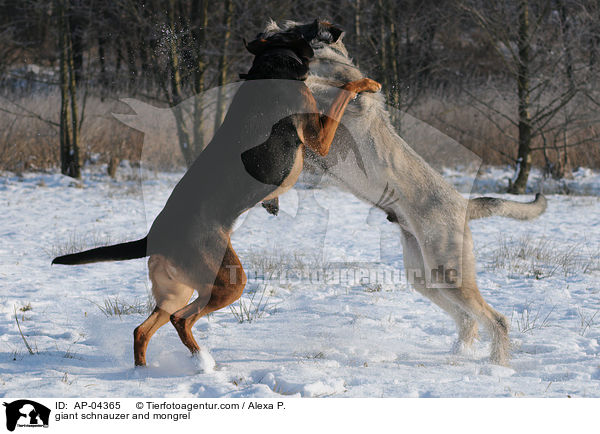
516,81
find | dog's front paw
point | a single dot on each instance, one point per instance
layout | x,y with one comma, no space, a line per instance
272,206
203,361
364,85
371,85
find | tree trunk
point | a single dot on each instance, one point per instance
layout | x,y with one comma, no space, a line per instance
118,61
563,161
394,84
383,65
145,63
76,160
357,33
199,17
65,122
222,71
76,42
565,28
69,130
131,65
525,132
426,54
103,76
595,38
176,90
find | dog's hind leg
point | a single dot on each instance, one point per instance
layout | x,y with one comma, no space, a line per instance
469,298
169,295
227,288
143,333
415,271
465,292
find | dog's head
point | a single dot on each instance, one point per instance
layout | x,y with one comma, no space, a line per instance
318,33
285,41
282,55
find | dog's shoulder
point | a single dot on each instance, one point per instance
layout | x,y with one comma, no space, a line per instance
272,95
258,106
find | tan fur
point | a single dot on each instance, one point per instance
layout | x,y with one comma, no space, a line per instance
433,216
217,274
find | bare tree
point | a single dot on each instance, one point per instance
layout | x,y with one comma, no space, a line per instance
425,52
69,122
532,55
228,11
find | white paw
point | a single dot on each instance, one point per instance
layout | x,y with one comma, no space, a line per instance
460,348
204,361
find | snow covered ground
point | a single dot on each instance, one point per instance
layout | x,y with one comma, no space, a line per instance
322,325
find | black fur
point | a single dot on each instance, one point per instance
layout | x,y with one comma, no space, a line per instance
272,161
319,30
118,252
281,56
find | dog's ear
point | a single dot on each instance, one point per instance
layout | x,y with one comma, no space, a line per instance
302,48
295,41
336,32
310,31
329,33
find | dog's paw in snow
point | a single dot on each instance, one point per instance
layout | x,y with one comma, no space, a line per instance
203,361
139,371
460,348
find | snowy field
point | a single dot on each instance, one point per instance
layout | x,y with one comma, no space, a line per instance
313,320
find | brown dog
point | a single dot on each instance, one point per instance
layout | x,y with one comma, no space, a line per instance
256,155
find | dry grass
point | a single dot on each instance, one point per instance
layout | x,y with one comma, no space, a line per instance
28,143
114,306
29,349
587,320
252,307
283,267
531,318
542,258
456,115
76,242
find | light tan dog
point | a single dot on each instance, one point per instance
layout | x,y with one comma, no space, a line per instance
433,216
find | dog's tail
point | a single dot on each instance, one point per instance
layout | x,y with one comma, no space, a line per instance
481,207
117,252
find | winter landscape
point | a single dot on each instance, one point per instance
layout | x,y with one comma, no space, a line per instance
294,332
104,104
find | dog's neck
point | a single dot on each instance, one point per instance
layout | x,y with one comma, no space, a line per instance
277,63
